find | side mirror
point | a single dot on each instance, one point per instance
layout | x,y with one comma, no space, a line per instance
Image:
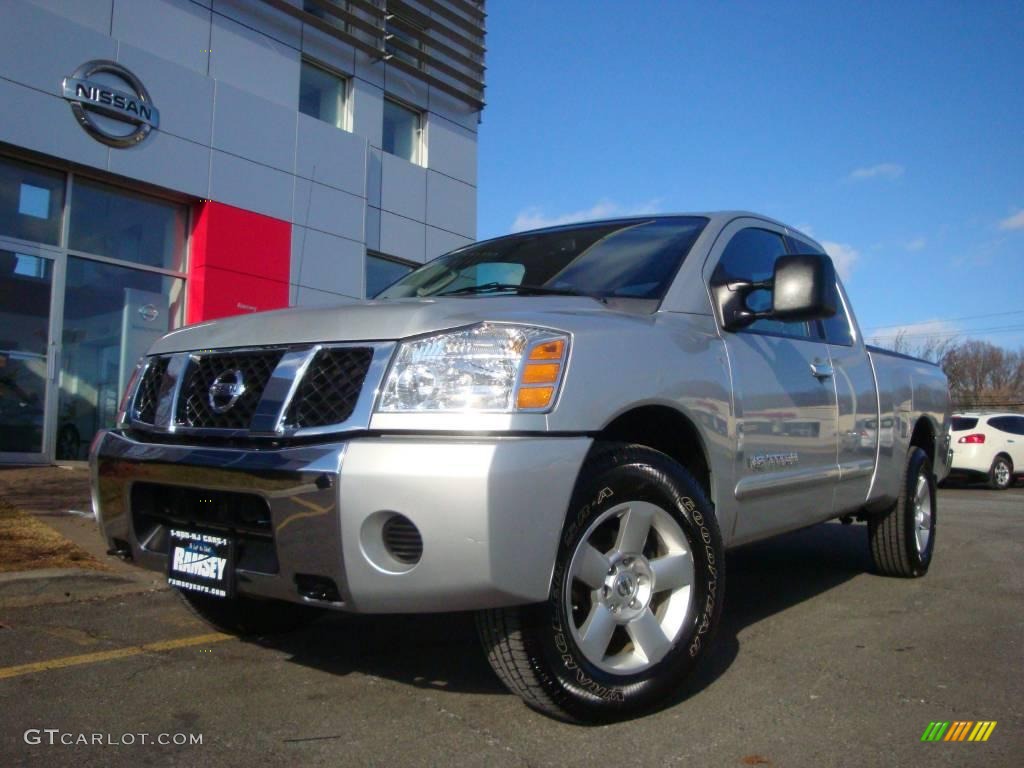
803,288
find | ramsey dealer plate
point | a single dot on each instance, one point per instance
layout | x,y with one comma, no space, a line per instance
201,562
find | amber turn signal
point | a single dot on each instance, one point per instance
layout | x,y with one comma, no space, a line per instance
549,350
534,397
540,373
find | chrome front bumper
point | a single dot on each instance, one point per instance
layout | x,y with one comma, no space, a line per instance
489,511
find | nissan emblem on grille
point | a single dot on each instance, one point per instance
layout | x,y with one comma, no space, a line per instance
225,390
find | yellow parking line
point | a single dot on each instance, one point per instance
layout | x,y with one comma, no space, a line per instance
117,653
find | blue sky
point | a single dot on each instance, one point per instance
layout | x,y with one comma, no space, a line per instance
891,132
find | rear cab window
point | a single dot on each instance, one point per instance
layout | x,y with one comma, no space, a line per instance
963,423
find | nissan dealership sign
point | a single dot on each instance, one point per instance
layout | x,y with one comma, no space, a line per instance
119,115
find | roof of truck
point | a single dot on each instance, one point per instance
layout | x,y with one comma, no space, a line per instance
715,217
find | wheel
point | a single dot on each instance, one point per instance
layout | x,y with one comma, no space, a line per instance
1000,476
248,616
635,598
903,538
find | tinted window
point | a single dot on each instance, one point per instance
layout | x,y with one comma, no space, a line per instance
401,132
963,423
1004,424
322,95
112,222
381,272
1017,425
31,202
751,256
635,259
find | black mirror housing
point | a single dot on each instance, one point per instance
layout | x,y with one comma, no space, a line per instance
804,288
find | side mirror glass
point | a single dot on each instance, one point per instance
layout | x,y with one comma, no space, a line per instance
804,288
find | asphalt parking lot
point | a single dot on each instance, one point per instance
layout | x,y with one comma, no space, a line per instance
818,662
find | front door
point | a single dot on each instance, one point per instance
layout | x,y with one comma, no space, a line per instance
27,364
785,398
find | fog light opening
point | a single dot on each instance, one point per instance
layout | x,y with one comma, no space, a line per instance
402,539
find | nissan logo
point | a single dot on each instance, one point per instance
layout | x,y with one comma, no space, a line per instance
225,390
90,98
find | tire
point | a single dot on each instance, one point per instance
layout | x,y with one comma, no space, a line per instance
248,616
1000,476
637,519
903,538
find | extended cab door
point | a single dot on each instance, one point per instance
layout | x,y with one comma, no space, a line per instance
861,434
785,397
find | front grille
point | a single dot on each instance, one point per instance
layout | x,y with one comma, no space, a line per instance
148,396
328,392
253,369
245,517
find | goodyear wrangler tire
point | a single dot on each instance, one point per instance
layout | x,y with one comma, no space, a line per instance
635,598
903,538
247,616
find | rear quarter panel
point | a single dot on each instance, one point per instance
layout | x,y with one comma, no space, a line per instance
908,390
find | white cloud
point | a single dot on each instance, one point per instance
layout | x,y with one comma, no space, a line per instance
535,217
843,256
917,244
1013,222
880,171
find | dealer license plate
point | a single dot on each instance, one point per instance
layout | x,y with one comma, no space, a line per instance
201,562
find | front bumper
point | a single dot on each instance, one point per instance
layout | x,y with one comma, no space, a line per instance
489,511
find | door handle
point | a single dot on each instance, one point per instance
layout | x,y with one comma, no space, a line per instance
821,370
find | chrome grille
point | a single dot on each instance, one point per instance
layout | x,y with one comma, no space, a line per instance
148,396
194,407
330,389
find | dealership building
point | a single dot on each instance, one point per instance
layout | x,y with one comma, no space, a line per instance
165,162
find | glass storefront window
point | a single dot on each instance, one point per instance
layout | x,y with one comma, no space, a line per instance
111,222
31,202
112,315
24,339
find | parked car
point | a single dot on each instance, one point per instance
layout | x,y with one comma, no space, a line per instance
987,447
563,430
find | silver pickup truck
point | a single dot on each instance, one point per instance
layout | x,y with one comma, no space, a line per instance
563,430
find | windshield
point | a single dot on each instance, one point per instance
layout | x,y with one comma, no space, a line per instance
633,259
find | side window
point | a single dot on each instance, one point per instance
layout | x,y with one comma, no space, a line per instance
838,329
751,255
1002,423
1017,425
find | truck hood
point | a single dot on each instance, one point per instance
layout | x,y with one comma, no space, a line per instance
388,320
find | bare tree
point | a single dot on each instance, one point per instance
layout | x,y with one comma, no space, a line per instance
981,375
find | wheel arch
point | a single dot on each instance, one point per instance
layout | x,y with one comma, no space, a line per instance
666,429
923,437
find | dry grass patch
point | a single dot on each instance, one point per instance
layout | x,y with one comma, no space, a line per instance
27,543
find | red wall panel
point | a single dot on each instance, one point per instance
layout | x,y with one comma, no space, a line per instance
239,262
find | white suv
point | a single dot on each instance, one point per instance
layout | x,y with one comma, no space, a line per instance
988,446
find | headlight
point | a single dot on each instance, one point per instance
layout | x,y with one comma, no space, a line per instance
489,367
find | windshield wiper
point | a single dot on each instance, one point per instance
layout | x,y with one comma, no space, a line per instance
523,290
